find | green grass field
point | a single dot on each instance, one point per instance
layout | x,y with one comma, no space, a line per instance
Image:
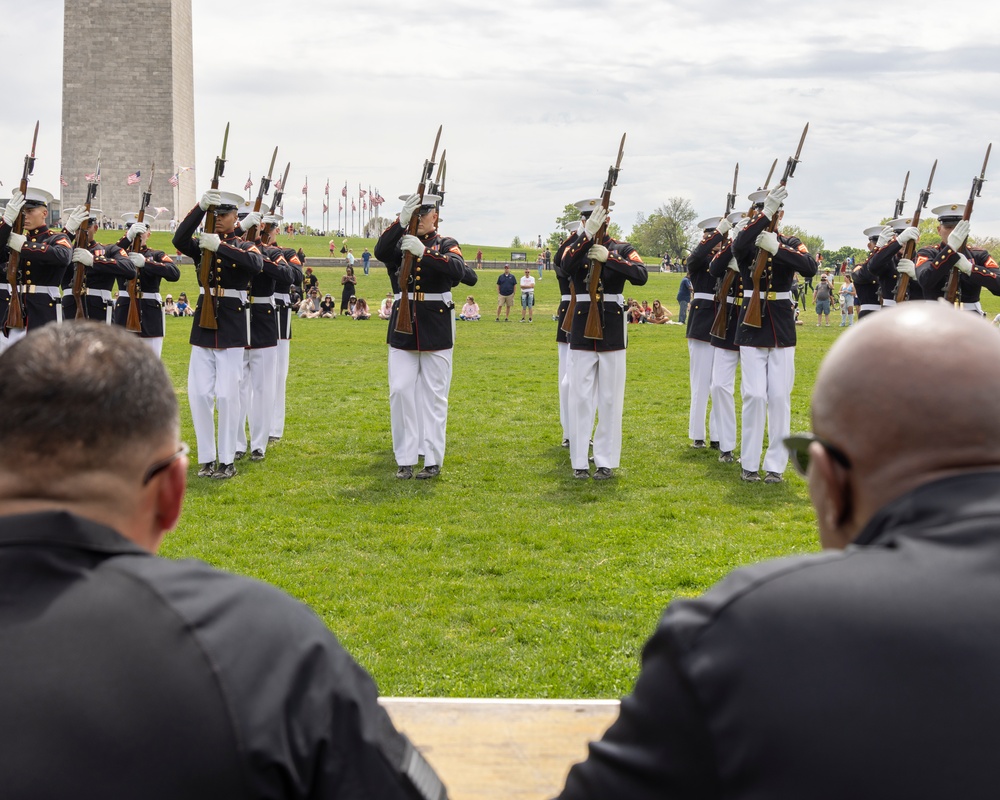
505,577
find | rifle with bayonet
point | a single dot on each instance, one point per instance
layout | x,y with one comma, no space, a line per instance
15,313
207,319
82,240
977,187
437,185
752,315
404,322
901,202
594,328
133,322
250,235
279,190
911,247
721,321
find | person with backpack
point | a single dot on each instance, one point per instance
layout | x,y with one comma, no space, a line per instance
822,297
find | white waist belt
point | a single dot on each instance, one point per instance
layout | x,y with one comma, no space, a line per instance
238,294
422,296
284,297
263,301
888,303
150,296
5,287
563,299
608,298
104,294
51,291
731,299
703,296
869,307
767,295
972,307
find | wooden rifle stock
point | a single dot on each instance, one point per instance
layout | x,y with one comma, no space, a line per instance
207,319
82,240
903,284
977,186
133,322
721,323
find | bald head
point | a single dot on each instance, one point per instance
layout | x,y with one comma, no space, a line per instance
910,395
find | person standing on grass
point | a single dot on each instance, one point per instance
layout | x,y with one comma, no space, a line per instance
847,295
597,367
348,281
365,258
823,297
868,669
420,362
217,355
505,292
527,294
479,259
562,337
699,285
148,677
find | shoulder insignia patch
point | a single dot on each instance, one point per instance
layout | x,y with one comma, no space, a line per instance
634,256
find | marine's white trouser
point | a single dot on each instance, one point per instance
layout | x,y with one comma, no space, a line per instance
564,356
214,382
155,344
701,354
257,397
13,335
597,385
419,382
280,382
723,401
768,378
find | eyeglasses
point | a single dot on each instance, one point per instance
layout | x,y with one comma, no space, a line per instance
798,449
159,466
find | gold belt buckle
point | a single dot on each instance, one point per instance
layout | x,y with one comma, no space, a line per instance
418,296
772,295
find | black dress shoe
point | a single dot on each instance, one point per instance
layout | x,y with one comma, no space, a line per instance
603,473
224,472
257,455
431,471
726,457
273,439
240,454
773,477
565,442
750,477
207,470
698,444
581,473
404,473
714,445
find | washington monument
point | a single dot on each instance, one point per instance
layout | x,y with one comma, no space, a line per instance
128,92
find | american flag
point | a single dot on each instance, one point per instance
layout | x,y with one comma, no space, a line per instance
160,209
92,177
172,180
361,192
63,181
364,207
343,192
249,184
325,207
327,190
340,206
353,206
277,185
305,187
133,179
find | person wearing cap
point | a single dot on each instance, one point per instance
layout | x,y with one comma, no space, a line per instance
260,359
597,366
727,353
767,353
886,263
420,362
104,265
868,293
976,266
700,318
527,294
505,292
154,267
45,255
217,355
270,225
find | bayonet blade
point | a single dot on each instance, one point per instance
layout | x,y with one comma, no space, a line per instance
802,141
225,142
906,181
736,176
444,175
274,157
437,139
770,174
152,172
437,178
621,153
34,139
982,175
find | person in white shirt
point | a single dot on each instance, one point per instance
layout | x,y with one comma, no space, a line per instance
527,294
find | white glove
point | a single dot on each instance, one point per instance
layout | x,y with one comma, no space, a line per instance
724,227
741,224
271,219
16,241
958,235
598,252
411,244
13,208
906,267
733,265
768,240
209,241
134,230
83,256
212,197
775,198
138,259
911,234
885,236
412,204
251,220
964,265
594,222
77,217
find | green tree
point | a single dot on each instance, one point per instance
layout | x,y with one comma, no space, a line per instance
567,220
669,229
991,244
832,258
516,242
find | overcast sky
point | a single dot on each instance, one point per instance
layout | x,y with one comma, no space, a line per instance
534,96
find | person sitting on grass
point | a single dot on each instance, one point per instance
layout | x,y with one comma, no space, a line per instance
309,308
183,306
385,308
635,315
361,309
350,306
659,314
170,307
470,311
327,308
